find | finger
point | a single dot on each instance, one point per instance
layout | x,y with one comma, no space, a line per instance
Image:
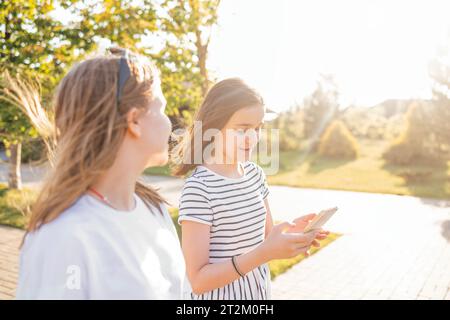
315,243
283,226
308,217
321,236
300,238
301,250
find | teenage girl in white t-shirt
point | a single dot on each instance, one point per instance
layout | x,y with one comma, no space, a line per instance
96,232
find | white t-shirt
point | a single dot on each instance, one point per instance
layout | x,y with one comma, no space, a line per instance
92,251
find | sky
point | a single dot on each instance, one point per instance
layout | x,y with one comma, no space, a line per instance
376,50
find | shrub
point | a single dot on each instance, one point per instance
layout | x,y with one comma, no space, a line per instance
15,205
416,144
338,142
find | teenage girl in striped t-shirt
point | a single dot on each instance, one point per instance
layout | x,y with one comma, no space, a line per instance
228,234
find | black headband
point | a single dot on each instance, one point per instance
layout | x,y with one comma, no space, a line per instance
124,74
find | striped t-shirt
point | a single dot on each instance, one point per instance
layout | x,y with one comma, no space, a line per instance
234,208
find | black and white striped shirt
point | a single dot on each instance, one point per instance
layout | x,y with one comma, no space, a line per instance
234,208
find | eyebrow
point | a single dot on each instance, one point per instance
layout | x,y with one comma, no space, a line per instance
247,124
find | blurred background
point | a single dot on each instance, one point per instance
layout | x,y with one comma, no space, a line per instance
362,94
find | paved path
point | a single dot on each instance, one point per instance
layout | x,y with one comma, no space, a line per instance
10,239
392,247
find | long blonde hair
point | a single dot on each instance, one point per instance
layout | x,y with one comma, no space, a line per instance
87,129
221,102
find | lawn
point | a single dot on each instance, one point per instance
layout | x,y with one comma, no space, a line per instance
368,173
278,267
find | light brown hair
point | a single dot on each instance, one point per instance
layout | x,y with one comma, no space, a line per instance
221,102
88,128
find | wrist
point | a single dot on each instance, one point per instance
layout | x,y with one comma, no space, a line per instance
263,252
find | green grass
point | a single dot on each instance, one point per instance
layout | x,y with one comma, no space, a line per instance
368,173
174,214
158,171
15,206
278,267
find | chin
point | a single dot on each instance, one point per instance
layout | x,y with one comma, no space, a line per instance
158,161
246,156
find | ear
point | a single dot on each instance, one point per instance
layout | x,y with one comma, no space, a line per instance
134,127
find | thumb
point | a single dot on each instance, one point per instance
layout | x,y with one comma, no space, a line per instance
309,216
283,226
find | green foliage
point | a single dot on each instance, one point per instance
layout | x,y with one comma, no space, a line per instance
338,142
36,42
280,266
440,118
321,107
33,150
418,142
15,205
291,129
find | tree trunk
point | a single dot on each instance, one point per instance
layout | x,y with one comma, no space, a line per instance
202,51
15,180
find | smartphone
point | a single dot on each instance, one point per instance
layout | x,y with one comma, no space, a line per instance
320,220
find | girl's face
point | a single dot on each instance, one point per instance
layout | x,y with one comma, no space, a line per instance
241,133
155,129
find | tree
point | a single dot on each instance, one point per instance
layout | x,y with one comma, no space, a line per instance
418,142
191,22
321,108
174,33
34,44
440,74
291,131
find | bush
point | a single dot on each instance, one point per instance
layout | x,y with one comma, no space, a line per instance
400,153
417,143
33,150
15,205
338,142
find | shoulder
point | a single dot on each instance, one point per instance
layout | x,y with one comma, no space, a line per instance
68,230
159,210
251,166
197,182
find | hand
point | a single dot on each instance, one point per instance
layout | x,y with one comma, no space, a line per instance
302,222
282,245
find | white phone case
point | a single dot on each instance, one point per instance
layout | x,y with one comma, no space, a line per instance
320,220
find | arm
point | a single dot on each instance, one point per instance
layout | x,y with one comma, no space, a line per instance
205,276
269,220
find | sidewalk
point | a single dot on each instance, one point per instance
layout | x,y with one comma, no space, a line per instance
10,239
393,247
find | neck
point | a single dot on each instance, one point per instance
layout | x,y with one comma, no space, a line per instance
231,170
118,184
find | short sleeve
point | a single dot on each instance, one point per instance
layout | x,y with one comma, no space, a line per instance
264,186
52,267
194,202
